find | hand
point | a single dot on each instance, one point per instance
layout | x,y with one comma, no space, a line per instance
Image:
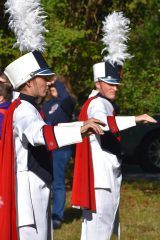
50,83
145,118
91,126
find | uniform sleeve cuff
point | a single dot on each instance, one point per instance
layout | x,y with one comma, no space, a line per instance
49,137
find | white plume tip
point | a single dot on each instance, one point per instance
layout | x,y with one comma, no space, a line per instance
115,36
26,18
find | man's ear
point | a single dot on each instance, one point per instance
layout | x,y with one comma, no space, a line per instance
97,85
29,83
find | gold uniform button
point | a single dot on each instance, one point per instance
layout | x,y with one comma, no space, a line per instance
51,143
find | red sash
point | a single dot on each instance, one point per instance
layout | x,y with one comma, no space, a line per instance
83,194
8,228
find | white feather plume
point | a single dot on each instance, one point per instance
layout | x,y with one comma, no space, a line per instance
115,35
26,18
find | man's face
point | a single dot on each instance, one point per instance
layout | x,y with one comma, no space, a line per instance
54,92
107,90
39,86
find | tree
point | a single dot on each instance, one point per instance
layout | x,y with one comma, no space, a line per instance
74,45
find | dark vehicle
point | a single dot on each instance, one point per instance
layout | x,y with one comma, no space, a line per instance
141,145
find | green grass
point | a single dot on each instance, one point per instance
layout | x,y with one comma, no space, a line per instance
139,210
139,213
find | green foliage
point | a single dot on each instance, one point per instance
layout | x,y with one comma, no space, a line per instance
74,45
140,91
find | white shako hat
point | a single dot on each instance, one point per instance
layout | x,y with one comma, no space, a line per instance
26,20
115,35
27,67
107,72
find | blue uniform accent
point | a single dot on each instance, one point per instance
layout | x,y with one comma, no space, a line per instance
42,72
39,158
110,80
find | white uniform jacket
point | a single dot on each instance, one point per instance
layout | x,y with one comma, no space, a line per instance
32,137
104,161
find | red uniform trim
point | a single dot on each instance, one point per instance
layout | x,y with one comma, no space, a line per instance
113,127
49,137
42,114
83,194
8,222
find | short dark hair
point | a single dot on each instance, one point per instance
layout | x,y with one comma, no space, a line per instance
6,91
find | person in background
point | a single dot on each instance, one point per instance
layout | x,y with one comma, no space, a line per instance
59,108
4,79
5,100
